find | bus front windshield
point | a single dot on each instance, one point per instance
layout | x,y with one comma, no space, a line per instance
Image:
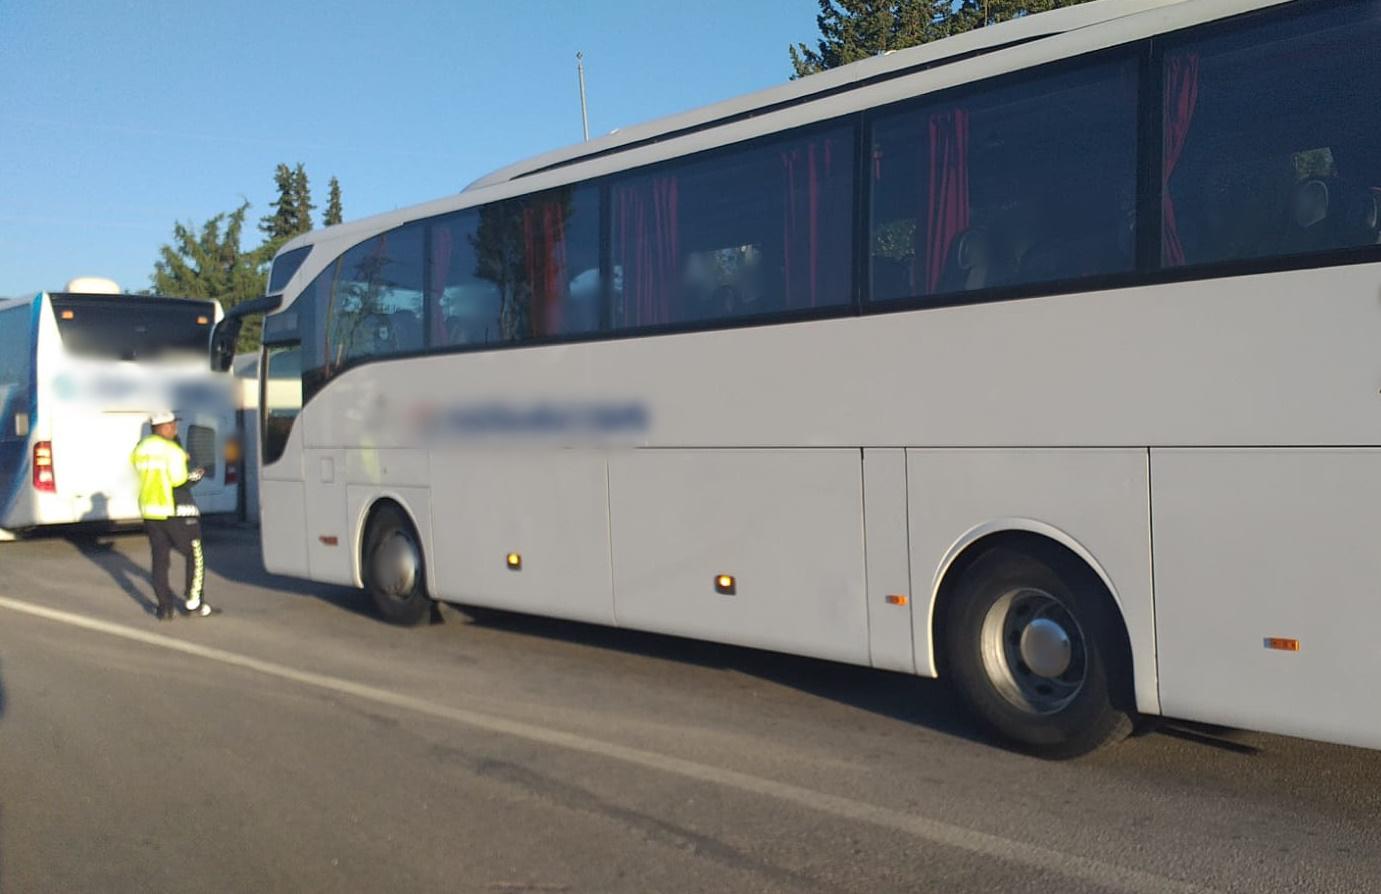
130,327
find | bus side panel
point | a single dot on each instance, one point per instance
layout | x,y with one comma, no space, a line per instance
551,507
283,511
890,630
283,528
330,554
1093,501
787,525
1255,544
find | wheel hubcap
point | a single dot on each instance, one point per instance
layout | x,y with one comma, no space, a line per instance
1034,651
395,565
1045,647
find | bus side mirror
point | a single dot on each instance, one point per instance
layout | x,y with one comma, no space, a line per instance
223,340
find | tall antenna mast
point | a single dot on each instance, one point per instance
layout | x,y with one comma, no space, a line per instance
584,115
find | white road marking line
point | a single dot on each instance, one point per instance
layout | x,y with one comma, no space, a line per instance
935,831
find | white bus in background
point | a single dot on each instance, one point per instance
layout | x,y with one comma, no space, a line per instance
1044,358
80,373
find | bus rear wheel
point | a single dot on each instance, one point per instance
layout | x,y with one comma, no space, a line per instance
393,569
1037,649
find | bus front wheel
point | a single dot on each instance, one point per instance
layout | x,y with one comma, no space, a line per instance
1037,649
393,569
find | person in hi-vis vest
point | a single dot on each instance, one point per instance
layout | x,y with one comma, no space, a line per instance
171,517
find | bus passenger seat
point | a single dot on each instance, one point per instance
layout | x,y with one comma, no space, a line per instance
970,262
1360,212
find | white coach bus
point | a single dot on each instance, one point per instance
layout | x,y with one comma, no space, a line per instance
80,373
1045,358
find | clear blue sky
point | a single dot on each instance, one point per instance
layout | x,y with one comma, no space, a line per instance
118,117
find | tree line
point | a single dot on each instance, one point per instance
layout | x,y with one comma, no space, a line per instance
210,261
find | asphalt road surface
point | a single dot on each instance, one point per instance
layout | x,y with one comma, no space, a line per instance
298,744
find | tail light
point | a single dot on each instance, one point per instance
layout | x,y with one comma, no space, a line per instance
43,467
232,461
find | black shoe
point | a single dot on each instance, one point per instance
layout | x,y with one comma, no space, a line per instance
204,610
165,614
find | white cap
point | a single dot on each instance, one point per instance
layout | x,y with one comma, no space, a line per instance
162,418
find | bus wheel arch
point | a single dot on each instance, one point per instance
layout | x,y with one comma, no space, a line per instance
393,562
1009,600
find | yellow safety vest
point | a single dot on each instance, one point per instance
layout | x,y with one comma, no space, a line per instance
162,466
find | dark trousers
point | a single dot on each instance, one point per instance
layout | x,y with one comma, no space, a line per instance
183,535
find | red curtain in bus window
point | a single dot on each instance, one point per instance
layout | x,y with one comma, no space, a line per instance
1181,98
816,229
647,247
948,198
544,244
436,287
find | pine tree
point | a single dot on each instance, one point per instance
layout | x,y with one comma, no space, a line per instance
208,262
280,226
333,214
851,30
302,200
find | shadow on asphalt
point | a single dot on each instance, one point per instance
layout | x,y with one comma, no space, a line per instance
915,700
132,578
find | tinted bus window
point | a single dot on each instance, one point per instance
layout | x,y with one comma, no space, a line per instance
310,307
132,328
16,372
281,396
1028,181
1271,142
533,260
376,303
465,308
759,229
284,266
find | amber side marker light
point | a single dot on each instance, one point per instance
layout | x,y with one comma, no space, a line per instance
69,315
515,561
897,599
725,583
202,321
1282,644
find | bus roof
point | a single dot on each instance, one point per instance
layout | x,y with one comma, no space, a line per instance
6,303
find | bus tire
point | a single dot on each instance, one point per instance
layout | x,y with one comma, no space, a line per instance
1037,649
393,568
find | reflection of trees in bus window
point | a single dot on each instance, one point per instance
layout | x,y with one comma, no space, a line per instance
462,307
376,306
500,259
541,253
